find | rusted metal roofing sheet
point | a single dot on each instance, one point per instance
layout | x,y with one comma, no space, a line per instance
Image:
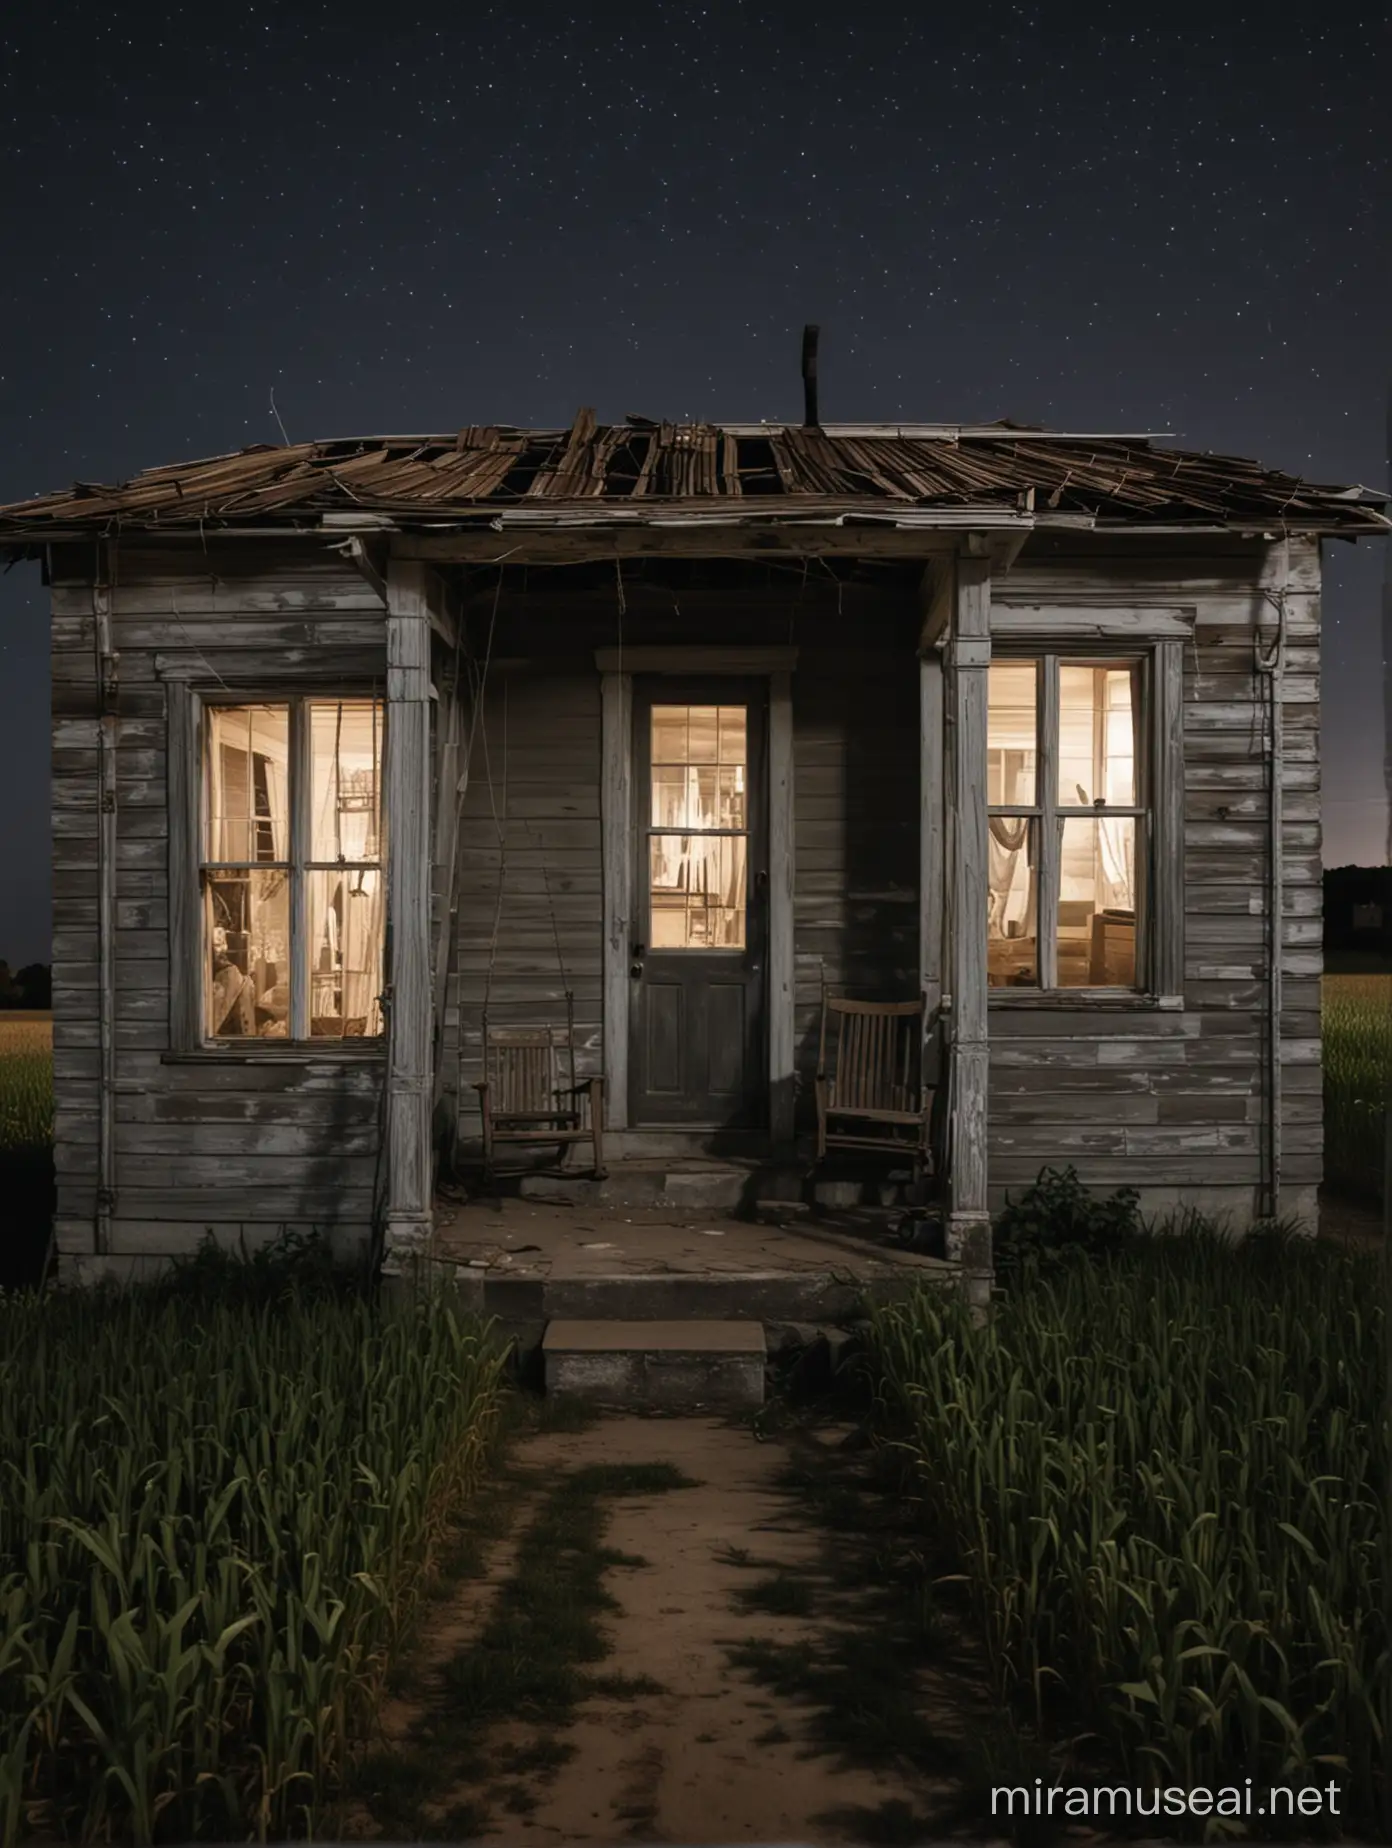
660,471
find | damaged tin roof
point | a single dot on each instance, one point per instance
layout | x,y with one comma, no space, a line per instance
662,473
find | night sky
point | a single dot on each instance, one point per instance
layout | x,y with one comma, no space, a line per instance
409,217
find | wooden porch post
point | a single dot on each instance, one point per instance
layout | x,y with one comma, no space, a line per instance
407,816
616,820
932,768
781,954
969,657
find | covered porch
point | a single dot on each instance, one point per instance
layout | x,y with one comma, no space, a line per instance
541,894
530,1260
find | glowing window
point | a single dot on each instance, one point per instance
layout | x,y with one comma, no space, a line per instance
1067,824
291,871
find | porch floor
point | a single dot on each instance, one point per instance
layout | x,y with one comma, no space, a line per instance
527,1261
541,1238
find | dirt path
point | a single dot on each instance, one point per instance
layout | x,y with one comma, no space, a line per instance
745,1694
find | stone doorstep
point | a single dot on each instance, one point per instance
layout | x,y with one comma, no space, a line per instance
657,1366
642,1337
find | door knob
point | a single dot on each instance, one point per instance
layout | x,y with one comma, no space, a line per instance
635,968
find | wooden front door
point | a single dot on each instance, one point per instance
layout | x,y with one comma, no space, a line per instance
700,878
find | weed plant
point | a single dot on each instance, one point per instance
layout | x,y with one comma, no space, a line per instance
1162,1472
218,1499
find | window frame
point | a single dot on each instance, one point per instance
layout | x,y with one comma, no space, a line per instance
1158,813
188,738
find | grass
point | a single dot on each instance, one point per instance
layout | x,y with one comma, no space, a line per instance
26,1144
1163,1475
1357,1034
533,1661
219,1499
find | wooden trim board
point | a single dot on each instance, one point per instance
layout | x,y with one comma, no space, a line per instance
695,660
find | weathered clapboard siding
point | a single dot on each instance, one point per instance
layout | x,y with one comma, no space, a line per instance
1181,1103
530,912
856,815
237,1146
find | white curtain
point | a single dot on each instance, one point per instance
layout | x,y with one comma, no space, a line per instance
1006,845
365,911
280,808
1114,840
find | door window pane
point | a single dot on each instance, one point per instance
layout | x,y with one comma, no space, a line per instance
699,735
697,891
699,766
1012,729
1012,929
700,783
248,798
1097,903
345,765
1097,753
248,925
347,917
698,796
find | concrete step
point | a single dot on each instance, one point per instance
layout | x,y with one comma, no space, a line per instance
716,1185
522,1307
663,1366
712,1185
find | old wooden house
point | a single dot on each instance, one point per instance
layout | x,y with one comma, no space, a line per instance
645,741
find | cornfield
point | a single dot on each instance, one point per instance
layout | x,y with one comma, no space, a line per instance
1164,1478
26,1145
1357,1035
213,1521
26,1083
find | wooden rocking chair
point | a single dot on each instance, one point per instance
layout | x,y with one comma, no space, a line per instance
529,1094
870,1091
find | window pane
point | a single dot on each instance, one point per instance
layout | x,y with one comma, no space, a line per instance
346,763
1097,903
248,923
669,735
699,766
347,917
698,796
1011,733
697,891
1097,753
248,795
1012,942
703,734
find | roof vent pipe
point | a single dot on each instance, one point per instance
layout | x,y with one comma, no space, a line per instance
809,377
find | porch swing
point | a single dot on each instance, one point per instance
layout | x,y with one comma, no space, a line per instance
529,1095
